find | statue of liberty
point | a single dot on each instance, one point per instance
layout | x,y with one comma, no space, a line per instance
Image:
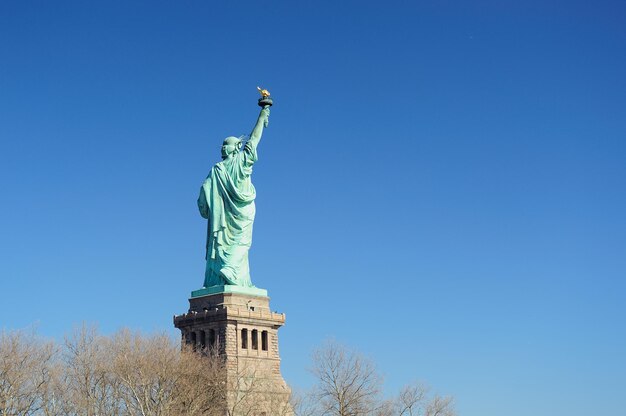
227,201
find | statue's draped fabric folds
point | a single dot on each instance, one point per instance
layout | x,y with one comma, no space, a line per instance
227,201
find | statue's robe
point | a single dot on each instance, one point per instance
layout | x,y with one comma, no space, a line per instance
227,201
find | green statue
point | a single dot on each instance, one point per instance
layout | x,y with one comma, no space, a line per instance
227,201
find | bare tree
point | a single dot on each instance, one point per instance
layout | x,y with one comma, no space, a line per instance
411,400
130,374
146,369
201,386
90,387
158,379
440,406
25,368
348,383
303,403
415,400
54,393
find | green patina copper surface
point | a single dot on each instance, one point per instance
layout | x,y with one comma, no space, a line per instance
253,291
227,201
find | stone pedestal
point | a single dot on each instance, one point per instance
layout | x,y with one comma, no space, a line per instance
244,331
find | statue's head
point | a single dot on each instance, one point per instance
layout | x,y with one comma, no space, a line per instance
231,145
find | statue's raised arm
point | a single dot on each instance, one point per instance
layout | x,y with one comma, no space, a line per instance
261,123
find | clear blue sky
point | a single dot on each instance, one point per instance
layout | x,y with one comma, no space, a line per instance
442,184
